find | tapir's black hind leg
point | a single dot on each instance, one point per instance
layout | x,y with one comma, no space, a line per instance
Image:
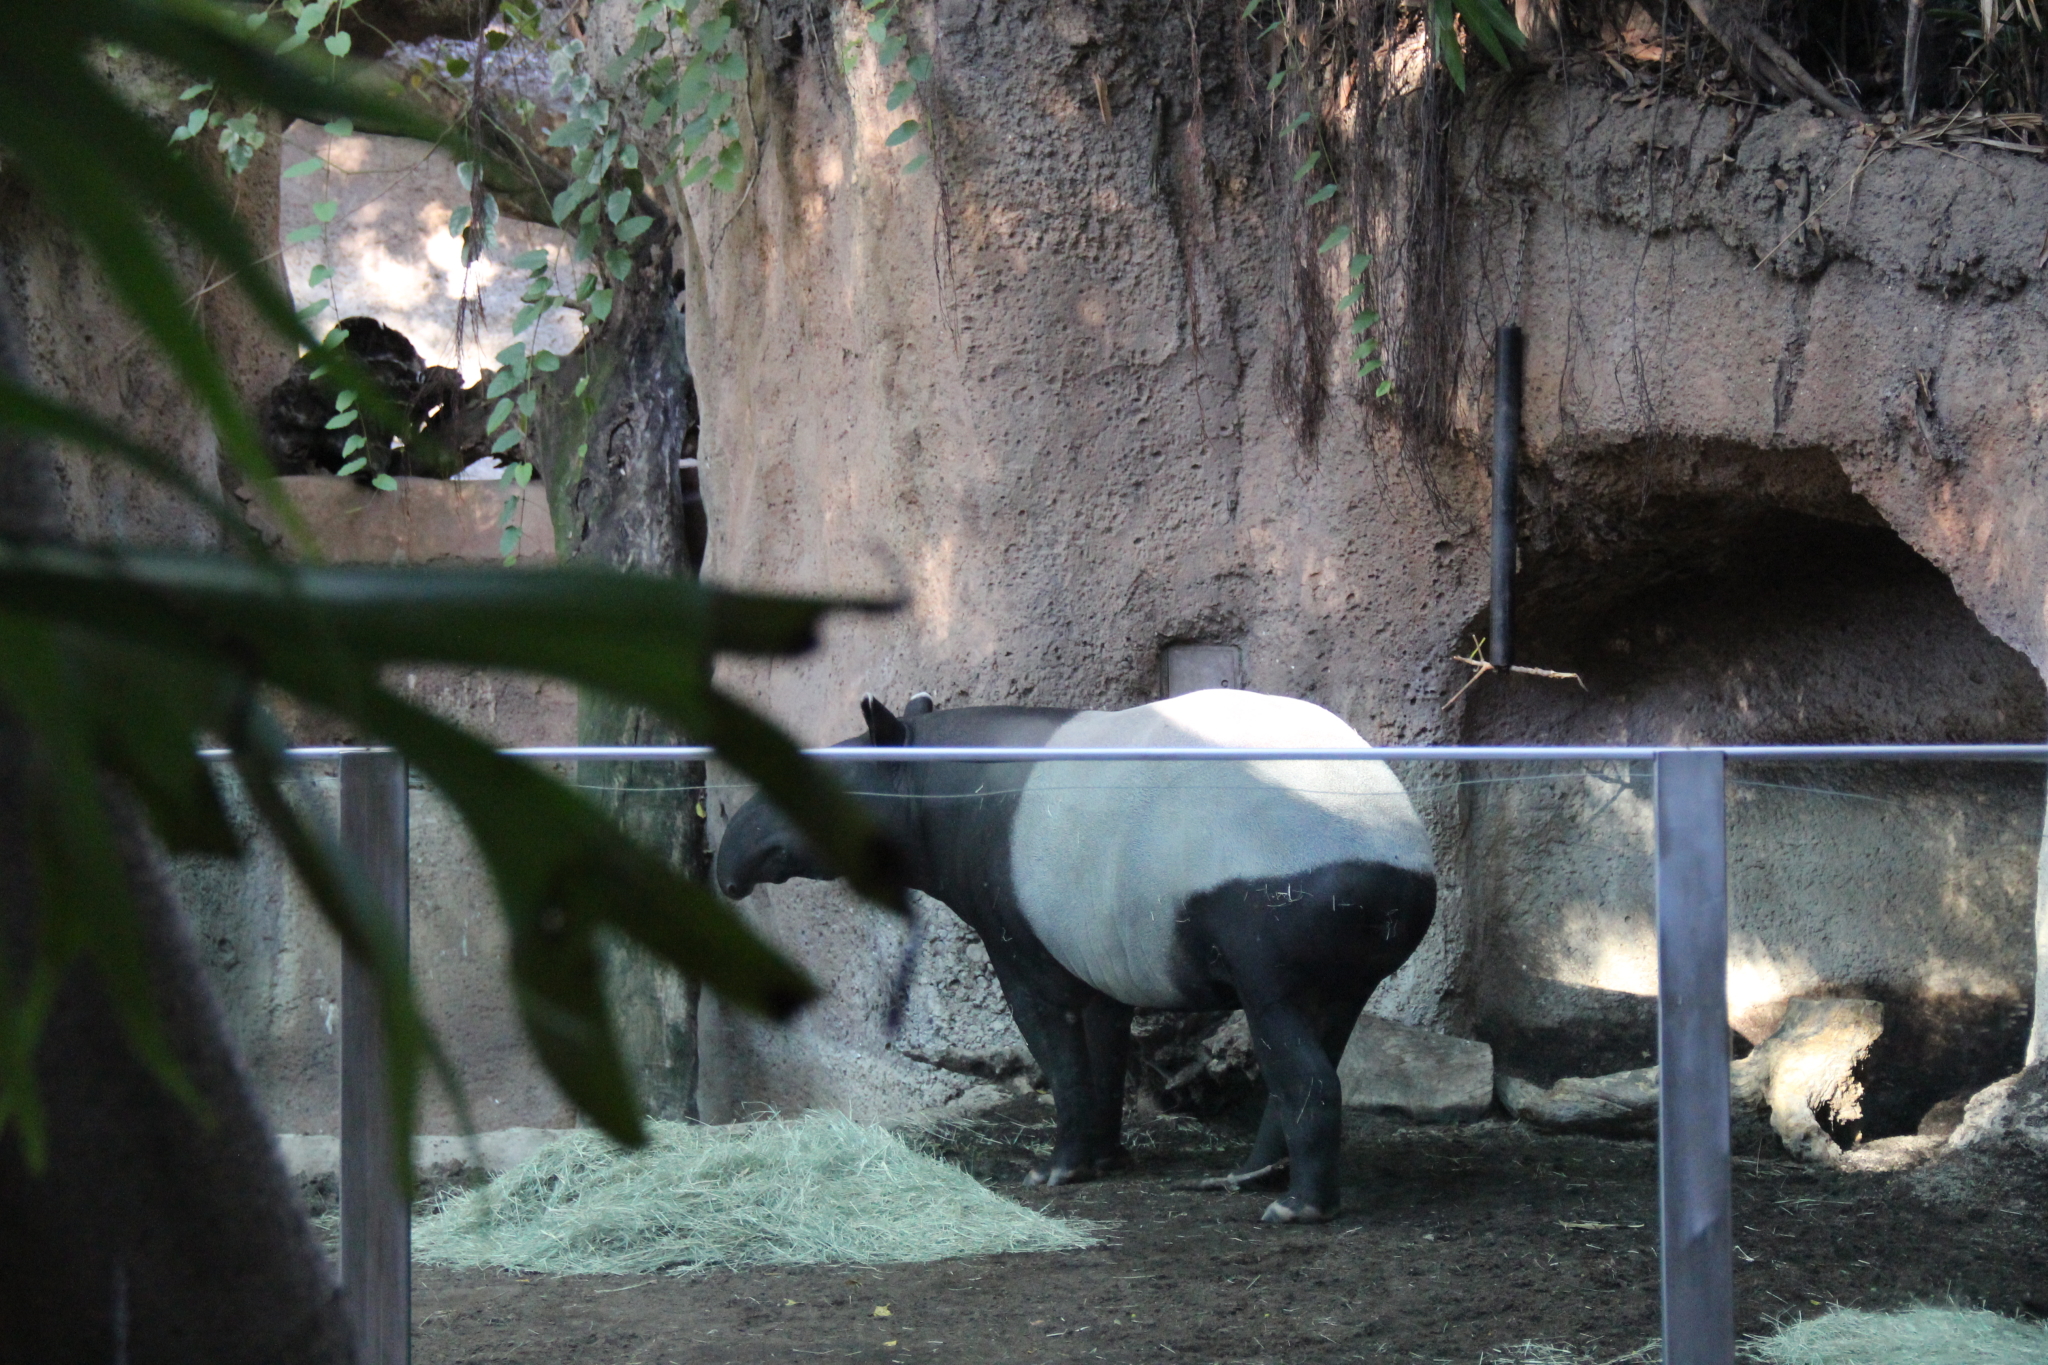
1304,1105
1266,1165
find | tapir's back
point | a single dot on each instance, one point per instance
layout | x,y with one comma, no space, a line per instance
1104,855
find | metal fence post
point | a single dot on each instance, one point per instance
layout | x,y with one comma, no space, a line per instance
1692,1043
376,1234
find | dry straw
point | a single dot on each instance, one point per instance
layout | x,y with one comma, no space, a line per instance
1917,1336
819,1189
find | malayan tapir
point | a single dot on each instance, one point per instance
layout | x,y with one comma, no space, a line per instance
1290,889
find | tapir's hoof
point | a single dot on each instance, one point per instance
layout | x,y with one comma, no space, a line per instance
1110,1162
1059,1175
1294,1209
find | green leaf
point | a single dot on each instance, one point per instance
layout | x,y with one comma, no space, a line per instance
500,414
512,354
1386,387
305,234
508,542
353,444
920,68
1338,236
326,209
1493,27
341,127
1297,121
337,44
565,203
905,131
1352,297
522,473
600,305
1301,171
1443,33
633,228
315,309
1359,261
546,361
458,219
193,92
536,259
508,438
900,94
1279,79
917,163
344,400
319,275
351,467
1320,195
617,264
343,419
384,483
616,204
309,166
458,67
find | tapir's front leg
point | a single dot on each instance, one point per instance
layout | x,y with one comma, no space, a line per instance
1080,1038
1057,1032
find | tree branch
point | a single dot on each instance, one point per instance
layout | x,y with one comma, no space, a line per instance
1762,59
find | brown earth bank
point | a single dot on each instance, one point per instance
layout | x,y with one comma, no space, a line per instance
1455,1243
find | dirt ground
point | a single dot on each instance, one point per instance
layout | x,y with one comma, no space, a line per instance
1455,1244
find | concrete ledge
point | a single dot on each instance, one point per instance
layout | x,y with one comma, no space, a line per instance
314,1154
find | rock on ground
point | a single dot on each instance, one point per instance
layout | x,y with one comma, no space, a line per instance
1416,1073
1805,1076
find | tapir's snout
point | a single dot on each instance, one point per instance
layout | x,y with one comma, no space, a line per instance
760,847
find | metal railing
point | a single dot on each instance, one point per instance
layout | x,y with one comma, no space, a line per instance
1692,954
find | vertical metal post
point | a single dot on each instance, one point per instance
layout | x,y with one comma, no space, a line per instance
1507,458
1692,1054
376,1235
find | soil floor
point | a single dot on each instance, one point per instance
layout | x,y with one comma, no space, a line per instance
1488,1243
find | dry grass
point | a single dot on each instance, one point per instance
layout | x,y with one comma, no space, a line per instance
1917,1336
819,1189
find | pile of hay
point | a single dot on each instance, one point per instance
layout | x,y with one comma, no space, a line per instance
819,1189
1917,1336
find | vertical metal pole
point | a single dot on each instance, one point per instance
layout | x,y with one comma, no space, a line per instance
1507,458
376,1236
1692,1053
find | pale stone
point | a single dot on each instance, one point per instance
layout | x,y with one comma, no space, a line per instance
1416,1073
1807,1069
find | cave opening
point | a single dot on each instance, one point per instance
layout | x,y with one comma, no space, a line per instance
1766,610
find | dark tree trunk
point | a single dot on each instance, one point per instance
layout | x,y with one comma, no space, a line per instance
612,459
152,1234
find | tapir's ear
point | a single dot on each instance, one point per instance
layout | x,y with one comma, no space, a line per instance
920,704
884,730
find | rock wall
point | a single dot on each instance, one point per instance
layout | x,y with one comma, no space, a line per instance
1044,390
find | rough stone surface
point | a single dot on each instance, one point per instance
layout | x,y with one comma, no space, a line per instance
1623,1104
1808,1073
1041,392
1806,1076
1415,1073
276,969
436,1154
392,257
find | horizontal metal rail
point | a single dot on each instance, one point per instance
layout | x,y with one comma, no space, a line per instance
1393,754
1422,753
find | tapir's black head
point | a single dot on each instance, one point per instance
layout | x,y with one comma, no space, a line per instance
761,847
